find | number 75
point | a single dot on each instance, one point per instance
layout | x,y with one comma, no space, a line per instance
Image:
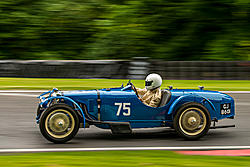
125,107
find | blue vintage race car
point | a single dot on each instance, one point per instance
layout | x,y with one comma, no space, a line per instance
190,112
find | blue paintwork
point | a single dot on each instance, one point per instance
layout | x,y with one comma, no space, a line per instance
142,116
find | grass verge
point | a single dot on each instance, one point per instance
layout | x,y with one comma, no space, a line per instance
120,158
75,84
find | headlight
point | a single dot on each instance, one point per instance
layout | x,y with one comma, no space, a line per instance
53,94
47,95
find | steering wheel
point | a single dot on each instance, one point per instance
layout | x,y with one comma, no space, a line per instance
133,87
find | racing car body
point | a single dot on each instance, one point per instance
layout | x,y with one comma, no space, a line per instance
61,113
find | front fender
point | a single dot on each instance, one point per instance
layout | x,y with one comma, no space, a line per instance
190,98
65,98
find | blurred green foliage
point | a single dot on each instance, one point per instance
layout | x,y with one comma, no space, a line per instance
109,29
87,84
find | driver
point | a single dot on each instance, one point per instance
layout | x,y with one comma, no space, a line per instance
151,94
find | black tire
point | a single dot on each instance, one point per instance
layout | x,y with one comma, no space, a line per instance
65,117
188,120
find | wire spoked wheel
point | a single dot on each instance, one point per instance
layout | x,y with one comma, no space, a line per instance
59,123
192,121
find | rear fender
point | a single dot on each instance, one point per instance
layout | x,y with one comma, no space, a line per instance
66,99
192,98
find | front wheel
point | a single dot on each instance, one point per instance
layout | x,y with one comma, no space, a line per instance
192,121
59,123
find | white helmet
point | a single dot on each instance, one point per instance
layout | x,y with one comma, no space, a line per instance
153,81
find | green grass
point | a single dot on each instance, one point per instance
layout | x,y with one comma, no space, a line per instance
74,84
120,158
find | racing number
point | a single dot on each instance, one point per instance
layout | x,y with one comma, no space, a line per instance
125,107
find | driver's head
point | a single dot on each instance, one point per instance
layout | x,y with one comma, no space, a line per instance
153,81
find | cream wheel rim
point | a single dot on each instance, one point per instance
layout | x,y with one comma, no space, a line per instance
192,121
59,123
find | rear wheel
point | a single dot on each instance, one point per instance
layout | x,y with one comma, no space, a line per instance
192,121
59,123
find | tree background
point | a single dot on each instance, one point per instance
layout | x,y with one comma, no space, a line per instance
110,29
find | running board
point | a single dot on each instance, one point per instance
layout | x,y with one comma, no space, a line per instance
222,126
120,127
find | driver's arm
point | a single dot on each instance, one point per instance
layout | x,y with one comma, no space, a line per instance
141,91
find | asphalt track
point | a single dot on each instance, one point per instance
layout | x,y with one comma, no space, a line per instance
19,130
